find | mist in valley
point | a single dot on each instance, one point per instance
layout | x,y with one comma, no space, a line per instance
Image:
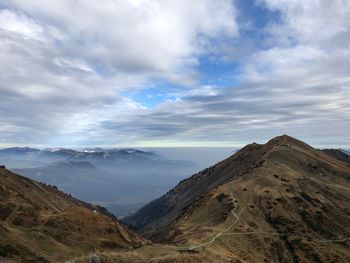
122,180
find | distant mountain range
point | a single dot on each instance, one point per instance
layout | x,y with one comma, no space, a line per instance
64,173
108,159
115,178
282,201
95,155
72,165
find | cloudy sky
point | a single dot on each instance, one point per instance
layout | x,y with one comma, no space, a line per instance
174,72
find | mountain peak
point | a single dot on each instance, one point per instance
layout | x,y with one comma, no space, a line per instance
287,141
284,195
282,139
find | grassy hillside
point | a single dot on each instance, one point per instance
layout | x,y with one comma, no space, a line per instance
38,223
279,202
283,201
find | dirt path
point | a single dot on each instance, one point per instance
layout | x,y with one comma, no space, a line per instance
222,232
9,219
225,232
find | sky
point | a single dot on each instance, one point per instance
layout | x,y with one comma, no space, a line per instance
170,73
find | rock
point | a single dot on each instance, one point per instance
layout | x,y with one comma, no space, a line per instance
95,259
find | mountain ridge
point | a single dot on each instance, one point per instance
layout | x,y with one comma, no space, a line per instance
39,223
251,161
339,154
288,198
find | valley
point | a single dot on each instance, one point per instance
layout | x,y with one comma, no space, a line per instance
283,201
122,180
175,131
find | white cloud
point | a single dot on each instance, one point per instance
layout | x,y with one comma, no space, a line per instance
20,24
312,21
64,64
299,84
129,36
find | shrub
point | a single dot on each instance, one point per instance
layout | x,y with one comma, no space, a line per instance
221,196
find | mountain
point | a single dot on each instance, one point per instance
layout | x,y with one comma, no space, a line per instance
109,159
60,171
115,178
20,157
282,201
63,174
93,155
39,223
73,165
120,179
341,155
19,151
121,190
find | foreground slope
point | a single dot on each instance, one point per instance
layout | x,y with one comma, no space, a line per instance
283,201
38,223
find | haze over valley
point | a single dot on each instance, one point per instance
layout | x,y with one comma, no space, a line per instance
175,131
121,180
285,197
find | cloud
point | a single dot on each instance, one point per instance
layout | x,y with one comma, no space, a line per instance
316,22
69,65
299,84
64,65
131,36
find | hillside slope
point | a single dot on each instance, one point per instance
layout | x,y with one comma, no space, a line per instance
38,223
283,201
341,155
